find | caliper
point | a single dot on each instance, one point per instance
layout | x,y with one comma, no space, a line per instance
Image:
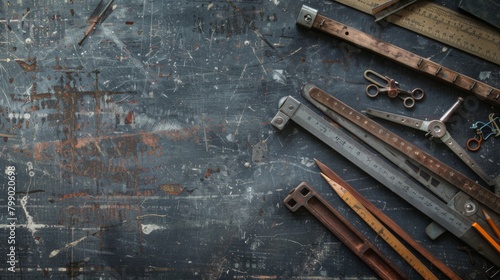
400,183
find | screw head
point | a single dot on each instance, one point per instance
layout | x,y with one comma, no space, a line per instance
308,18
470,207
278,120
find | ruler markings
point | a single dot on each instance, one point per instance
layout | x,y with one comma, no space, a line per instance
308,17
454,177
382,171
443,25
380,229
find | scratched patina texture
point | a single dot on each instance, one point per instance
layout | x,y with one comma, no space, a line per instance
147,151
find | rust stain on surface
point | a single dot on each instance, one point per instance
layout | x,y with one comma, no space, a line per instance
210,172
29,65
172,189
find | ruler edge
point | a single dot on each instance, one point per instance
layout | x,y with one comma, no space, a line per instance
420,189
466,236
481,190
357,5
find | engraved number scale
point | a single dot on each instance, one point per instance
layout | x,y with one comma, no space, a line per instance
371,164
459,180
441,24
309,17
381,230
437,129
385,173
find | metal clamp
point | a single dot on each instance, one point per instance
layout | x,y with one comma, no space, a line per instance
306,17
391,88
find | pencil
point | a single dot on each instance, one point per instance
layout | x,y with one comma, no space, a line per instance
492,224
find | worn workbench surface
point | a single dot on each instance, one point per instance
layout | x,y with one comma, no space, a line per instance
148,152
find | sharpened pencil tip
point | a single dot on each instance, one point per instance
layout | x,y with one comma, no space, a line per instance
486,214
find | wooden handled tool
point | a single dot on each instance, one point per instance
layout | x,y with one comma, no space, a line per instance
310,18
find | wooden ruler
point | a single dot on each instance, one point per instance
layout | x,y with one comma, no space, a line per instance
387,221
443,25
393,140
310,18
380,229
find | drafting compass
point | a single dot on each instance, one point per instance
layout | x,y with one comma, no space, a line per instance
456,202
436,129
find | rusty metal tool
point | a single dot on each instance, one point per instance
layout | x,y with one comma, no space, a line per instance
486,10
100,13
380,229
470,190
453,217
454,177
444,190
384,84
436,129
387,221
310,18
443,25
306,196
492,272
390,7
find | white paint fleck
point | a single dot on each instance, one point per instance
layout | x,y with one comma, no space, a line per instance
276,2
306,161
230,137
30,224
484,75
278,76
72,244
249,194
147,229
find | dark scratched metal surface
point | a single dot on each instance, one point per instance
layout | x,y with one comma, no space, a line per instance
151,152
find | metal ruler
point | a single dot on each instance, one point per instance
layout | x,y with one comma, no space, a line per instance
437,129
379,214
443,25
310,18
371,164
457,179
385,173
380,229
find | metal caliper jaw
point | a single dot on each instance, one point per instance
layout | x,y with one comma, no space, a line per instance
287,107
448,216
